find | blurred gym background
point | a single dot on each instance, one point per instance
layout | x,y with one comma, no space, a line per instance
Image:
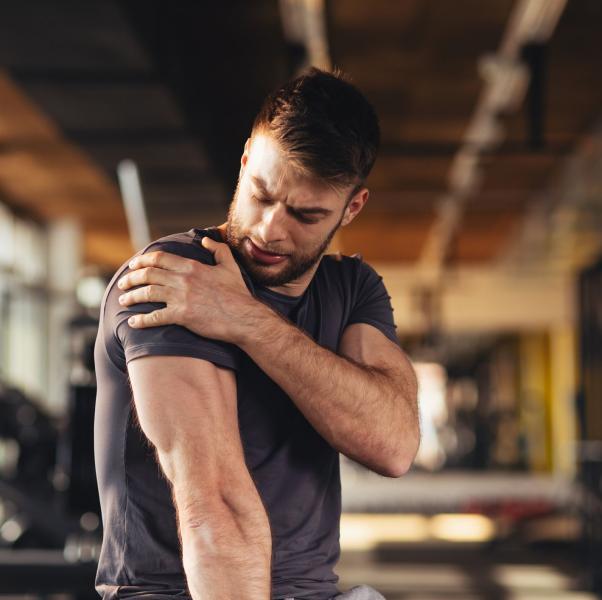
124,119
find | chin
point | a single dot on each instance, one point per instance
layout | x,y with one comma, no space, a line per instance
266,275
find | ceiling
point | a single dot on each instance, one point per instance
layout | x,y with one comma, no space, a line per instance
175,85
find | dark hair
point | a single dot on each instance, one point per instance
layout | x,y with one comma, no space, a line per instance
325,125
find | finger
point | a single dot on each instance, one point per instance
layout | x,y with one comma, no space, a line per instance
155,318
147,293
162,260
145,275
221,251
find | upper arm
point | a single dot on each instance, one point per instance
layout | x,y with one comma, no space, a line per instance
369,337
187,408
370,347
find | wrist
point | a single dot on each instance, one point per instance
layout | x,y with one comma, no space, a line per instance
256,319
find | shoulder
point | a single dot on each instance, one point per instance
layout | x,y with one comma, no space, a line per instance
350,269
186,244
341,262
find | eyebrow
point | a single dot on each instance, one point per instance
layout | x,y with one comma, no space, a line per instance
310,210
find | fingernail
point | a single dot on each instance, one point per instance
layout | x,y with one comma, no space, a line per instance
121,299
131,320
132,264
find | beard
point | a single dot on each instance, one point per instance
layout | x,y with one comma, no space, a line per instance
293,267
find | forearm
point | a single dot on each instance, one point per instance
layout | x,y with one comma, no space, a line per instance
226,549
361,411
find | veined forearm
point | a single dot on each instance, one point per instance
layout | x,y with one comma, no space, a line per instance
355,408
226,551
223,527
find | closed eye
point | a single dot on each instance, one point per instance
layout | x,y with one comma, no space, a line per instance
261,200
303,219
299,216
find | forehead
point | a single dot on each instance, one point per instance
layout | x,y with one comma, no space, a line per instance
270,168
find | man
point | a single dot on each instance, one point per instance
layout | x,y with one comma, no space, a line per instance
253,360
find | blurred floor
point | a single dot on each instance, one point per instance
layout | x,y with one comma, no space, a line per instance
430,570
525,544
457,574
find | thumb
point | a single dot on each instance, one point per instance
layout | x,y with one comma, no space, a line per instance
220,250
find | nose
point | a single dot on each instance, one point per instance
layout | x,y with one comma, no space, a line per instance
272,227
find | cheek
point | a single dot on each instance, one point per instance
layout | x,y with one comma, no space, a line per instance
306,239
247,213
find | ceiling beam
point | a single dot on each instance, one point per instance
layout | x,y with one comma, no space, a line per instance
506,80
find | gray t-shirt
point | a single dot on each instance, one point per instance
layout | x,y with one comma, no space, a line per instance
295,470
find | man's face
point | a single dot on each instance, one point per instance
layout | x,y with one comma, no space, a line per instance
279,221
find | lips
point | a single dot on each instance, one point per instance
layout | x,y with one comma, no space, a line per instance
262,256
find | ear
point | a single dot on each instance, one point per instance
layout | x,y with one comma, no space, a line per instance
245,155
355,205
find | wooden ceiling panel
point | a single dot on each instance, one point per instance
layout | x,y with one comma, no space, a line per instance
482,234
409,173
434,129
52,179
385,237
524,171
400,202
381,15
125,108
175,87
184,154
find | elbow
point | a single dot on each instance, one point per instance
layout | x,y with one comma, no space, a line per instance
396,464
401,460
396,467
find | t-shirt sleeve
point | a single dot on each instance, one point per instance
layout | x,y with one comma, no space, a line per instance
165,340
372,303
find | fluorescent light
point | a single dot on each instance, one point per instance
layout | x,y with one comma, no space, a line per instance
362,531
462,528
366,531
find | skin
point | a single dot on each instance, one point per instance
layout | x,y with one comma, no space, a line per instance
283,211
223,527
370,412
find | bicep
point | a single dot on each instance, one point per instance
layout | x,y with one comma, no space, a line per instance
187,408
368,346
